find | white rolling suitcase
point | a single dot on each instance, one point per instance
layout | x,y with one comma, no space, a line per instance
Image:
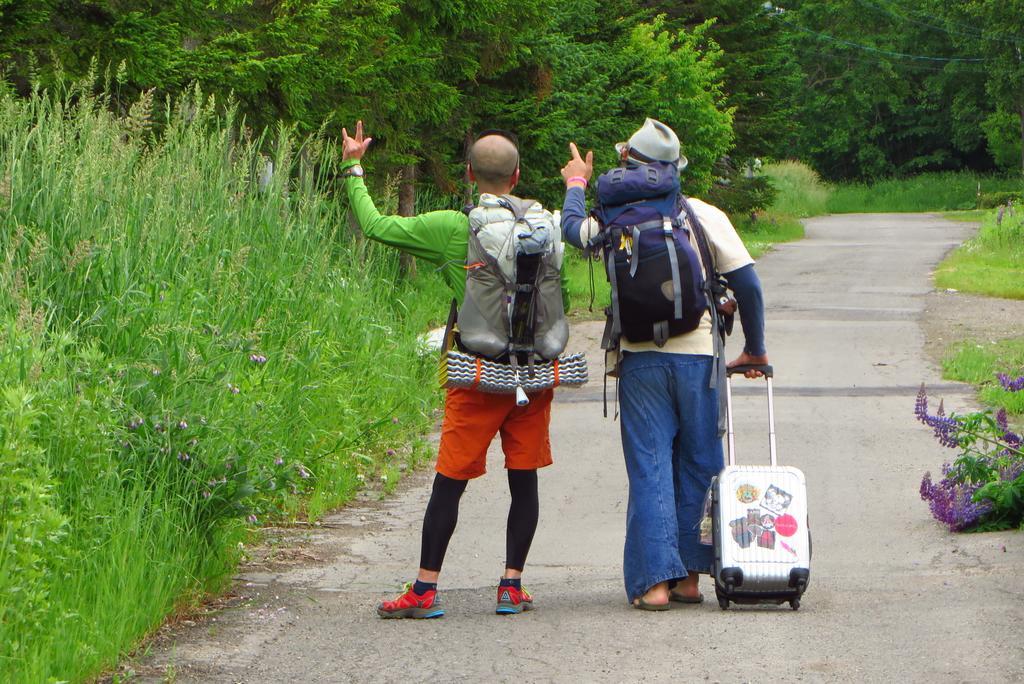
762,546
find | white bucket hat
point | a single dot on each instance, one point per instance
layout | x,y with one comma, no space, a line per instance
654,141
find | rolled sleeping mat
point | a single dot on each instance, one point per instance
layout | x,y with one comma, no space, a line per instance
473,372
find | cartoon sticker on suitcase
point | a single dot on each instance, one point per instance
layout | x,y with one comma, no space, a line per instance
776,500
765,526
747,493
756,527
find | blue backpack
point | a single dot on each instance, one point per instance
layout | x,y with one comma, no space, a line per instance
658,289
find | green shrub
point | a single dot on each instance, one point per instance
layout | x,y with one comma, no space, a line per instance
991,200
737,194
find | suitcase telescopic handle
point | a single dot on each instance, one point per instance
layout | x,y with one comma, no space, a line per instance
763,367
731,438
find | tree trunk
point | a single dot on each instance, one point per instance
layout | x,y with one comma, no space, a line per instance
407,207
468,192
1022,138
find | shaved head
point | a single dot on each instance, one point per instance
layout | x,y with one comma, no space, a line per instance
494,159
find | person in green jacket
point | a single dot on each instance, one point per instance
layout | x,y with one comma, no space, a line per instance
471,418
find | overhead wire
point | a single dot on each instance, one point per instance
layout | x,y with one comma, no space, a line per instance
976,32
934,68
870,48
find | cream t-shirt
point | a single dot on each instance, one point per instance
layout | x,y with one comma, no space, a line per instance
729,253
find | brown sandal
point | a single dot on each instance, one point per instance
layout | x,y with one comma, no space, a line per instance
640,604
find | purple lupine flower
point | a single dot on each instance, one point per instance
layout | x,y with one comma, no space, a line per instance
1012,471
183,457
206,494
278,461
251,519
159,427
135,423
391,452
921,405
952,503
926,486
1012,439
258,359
946,429
233,389
1011,384
303,473
182,425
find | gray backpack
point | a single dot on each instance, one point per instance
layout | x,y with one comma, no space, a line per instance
513,309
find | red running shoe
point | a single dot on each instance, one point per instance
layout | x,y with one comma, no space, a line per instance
412,605
512,601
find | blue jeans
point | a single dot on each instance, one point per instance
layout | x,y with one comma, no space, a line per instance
672,449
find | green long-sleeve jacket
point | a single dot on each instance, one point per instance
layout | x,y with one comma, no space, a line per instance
439,237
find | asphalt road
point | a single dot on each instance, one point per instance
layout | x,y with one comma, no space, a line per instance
893,596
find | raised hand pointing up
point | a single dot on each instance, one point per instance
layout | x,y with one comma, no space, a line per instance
578,169
354,148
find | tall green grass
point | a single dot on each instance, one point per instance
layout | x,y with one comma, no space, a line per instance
799,191
978,364
189,341
950,191
992,262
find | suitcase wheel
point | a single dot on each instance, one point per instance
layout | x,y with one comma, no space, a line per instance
794,604
723,603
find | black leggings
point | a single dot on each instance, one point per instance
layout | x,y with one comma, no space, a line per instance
443,514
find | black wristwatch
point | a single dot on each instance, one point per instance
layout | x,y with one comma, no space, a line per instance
354,170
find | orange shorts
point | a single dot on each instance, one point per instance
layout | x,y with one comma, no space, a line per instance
472,418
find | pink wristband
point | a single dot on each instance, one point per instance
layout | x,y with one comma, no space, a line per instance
581,179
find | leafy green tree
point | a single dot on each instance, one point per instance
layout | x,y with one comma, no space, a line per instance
424,75
995,29
761,79
598,78
883,92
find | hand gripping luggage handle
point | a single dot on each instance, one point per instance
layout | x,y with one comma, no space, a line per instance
731,439
763,367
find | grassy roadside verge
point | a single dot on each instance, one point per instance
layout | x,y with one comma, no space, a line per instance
991,264
192,345
951,191
980,364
